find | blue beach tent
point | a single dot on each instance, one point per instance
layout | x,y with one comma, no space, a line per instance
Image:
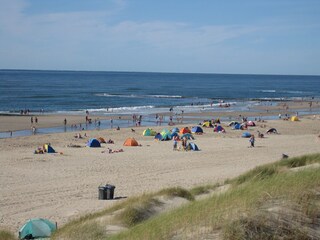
37,228
188,136
158,136
193,147
93,143
175,130
246,135
237,126
174,134
48,148
196,129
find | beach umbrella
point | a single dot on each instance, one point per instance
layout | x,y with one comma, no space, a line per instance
37,228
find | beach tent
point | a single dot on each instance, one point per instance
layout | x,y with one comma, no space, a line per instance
174,134
294,118
158,136
207,124
219,128
93,143
185,130
131,142
272,130
37,228
192,146
188,136
251,124
246,135
237,126
175,130
47,148
196,129
101,140
216,120
232,123
149,132
166,135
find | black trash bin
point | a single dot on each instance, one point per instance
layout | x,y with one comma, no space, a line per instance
106,192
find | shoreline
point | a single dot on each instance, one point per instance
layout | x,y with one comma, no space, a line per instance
14,125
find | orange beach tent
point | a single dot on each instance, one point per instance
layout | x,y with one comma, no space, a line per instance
131,142
101,140
185,130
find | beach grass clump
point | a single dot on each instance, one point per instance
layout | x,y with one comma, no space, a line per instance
262,228
138,212
198,190
85,230
300,161
177,192
7,235
256,174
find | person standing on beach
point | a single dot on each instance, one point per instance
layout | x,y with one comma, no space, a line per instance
31,120
65,121
175,143
251,140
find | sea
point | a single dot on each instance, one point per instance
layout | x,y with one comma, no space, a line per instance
145,93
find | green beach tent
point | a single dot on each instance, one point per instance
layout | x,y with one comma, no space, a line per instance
149,132
37,228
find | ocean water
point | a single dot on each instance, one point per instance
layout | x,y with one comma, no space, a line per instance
107,93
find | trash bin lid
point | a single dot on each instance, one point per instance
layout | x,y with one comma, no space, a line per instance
108,186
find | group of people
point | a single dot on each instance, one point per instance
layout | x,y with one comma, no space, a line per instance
184,143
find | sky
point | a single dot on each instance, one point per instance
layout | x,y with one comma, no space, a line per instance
189,36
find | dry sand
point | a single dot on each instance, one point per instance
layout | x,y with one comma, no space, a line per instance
64,185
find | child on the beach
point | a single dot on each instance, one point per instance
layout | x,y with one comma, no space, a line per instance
175,143
251,140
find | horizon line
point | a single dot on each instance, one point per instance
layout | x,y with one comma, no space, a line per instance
126,71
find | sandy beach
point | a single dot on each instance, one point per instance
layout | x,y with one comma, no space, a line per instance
64,185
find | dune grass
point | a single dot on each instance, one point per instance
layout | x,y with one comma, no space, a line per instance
133,211
241,212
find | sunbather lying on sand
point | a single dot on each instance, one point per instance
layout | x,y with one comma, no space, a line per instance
113,151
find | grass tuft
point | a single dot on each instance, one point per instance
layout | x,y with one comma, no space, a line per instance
203,189
177,192
258,173
300,161
261,228
86,230
138,212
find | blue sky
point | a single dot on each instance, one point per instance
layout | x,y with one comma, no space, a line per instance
204,36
